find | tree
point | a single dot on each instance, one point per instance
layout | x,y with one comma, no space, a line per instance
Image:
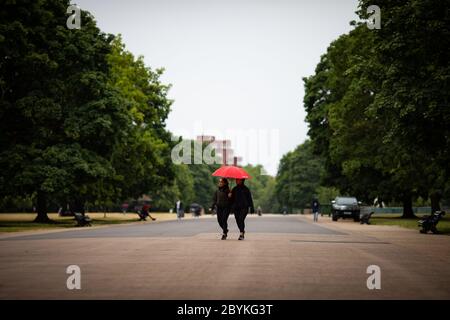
268,199
299,176
326,194
142,162
204,184
262,188
182,188
411,50
84,119
60,118
358,160
367,101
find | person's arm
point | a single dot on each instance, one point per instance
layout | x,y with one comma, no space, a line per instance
231,198
214,200
250,201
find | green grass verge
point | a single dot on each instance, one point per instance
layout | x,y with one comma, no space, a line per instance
396,220
15,226
15,222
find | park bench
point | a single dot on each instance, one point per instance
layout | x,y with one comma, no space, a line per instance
429,223
82,220
366,214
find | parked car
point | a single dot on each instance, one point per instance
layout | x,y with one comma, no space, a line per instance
195,209
345,207
65,213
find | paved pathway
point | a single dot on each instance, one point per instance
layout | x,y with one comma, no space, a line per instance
283,257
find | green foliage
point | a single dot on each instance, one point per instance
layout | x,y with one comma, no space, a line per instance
16,204
262,188
411,51
82,120
192,183
204,184
326,194
142,161
377,106
60,117
299,176
268,199
182,189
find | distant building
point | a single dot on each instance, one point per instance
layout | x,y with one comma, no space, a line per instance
237,161
203,138
223,150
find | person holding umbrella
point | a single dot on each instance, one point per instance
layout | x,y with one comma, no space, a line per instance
241,199
222,202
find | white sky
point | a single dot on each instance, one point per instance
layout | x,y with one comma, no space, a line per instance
232,63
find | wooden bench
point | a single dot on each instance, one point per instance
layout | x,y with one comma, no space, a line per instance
82,220
366,214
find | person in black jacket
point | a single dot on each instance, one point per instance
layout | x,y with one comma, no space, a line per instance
221,201
241,199
315,209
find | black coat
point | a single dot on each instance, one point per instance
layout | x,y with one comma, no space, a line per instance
242,198
315,206
221,198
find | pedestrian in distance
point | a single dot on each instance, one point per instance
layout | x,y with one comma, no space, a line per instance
315,209
179,209
144,213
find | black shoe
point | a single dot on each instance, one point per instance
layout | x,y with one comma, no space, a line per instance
241,237
224,237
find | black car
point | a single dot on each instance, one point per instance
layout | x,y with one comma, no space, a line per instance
345,207
66,213
195,209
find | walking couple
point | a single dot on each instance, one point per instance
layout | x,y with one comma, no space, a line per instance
239,201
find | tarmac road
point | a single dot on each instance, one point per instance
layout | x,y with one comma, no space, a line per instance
188,228
282,257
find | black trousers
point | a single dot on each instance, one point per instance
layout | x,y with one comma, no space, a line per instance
240,214
222,217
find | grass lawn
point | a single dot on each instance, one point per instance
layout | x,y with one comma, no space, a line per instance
395,220
13,222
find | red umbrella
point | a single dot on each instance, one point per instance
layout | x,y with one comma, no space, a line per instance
231,172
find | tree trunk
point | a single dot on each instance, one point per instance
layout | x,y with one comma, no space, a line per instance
78,206
435,202
42,216
407,207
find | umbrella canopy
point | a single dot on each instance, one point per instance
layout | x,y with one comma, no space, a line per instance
231,172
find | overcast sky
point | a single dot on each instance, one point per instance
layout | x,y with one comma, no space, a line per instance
232,63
